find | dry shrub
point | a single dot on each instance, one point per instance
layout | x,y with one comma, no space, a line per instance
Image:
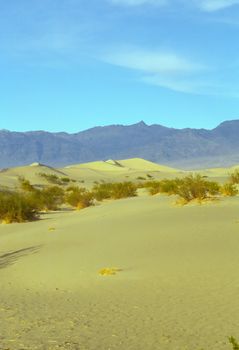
116,190
188,188
15,207
229,190
78,197
234,177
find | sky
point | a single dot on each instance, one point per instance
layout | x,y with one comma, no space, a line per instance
70,65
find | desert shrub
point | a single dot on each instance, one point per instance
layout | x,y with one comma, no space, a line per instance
123,190
163,186
114,190
234,343
170,186
78,197
102,191
141,178
25,185
188,188
234,177
53,179
15,207
49,198
196,187
149,176
52,197
65,180
229,189
152,186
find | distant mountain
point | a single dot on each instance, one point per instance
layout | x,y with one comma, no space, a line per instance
185,148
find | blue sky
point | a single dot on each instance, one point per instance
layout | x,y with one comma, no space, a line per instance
70,65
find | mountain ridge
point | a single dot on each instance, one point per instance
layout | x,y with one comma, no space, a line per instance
185,147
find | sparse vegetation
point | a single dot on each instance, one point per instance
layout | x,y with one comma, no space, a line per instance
114,190
51,198
25,205
51,178
102,191
56,180
164,186
188,188
65,180
196,187
79,197
25,185
141,178
15,207
234,343
229,189
234,177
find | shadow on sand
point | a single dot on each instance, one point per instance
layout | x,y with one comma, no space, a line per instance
11,257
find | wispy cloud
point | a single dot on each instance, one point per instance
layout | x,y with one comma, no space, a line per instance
191,85
204,5
174,72
164,69
215,5
151,61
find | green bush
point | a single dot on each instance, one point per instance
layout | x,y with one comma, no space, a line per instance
15,207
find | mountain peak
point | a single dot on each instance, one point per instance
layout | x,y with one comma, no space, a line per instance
141,123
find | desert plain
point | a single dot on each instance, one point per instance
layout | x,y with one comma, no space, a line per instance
176,281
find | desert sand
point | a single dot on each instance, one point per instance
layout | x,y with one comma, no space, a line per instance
176,288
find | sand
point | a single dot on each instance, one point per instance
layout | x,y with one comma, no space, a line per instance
174,282
178,288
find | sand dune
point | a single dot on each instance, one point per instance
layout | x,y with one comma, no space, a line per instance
9,177
124,165
178,287
175,284
109,170
142,164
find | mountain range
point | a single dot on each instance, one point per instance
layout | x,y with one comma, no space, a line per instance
185,148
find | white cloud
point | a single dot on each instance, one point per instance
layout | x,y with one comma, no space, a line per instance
138,2
152,61
215,5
